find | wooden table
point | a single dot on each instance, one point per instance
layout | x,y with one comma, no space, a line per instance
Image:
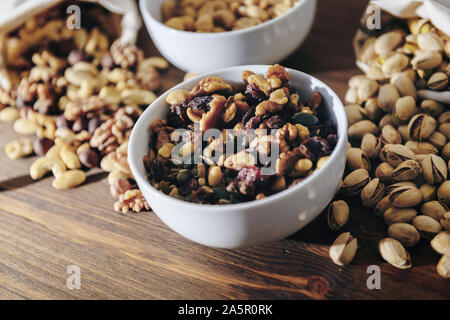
43,231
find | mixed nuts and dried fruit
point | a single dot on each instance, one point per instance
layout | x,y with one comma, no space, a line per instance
399,158
220,15
222,145
80,91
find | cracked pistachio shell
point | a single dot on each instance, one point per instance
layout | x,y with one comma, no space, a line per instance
367,88
428,191
438,81
387,97
405,197
398,215
407,170
405,108
357,159
343,249
394,154
406,233
443,193
389,135
360,128
384,172
434,169
404,85
441,243
427,60
430,41
443,267
421,147
397,185
388,41
421,126
395,63
445,221
427,226
393,252
382,206
434,209
437,139
354,113
338,214
371,145
372,193
355,181
432,108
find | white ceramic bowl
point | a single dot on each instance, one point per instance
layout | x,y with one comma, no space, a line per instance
266,43
255,222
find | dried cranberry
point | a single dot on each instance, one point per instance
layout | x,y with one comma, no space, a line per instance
200,103
76,56
254,95
107,61
253,123
275,122
249,114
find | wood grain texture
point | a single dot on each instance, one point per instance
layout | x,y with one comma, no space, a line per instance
43,231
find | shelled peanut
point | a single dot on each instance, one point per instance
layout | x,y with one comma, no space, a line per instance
80,93
399,161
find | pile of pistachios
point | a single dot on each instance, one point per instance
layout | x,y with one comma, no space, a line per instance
399,150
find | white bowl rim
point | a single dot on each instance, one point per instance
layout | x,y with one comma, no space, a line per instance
300,3
253,203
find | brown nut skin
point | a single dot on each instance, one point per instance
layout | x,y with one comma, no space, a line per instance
421,126
443,193
355,182
434,169
89,158
405,197
357,159
371,145
360,128
384,172
42,145
372,193
395,154
406,171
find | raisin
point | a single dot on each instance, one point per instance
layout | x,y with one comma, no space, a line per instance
317,146
200,103
275,122
332,140
176,116
157,170
254,95
249,114
253,123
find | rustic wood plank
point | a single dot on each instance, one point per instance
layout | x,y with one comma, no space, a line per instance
43,231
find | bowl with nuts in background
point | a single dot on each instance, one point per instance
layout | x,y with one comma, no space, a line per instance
208,35
254,218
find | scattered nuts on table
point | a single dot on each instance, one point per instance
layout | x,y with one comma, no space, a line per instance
280,140
221,16
80,93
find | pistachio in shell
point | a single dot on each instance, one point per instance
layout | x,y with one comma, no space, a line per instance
390,135
371,145
430,41
372,193
406,233
444,128
388,41
355,181
400,184
367,88
395,63
443,267
432,108
437,139
398,215
428,191
441,243
406,171
446,151
427,60
360,128
421,126
387,97
343,249
443,193
394,154
405,197
357,159
427,226
434,169
433,209
421,147
405,108
371,109
403,130
382,206
354,113
404,85
384,172
393,252
438,81
338,214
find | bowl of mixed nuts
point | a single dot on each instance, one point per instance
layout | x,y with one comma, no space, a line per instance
206,35
242,155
